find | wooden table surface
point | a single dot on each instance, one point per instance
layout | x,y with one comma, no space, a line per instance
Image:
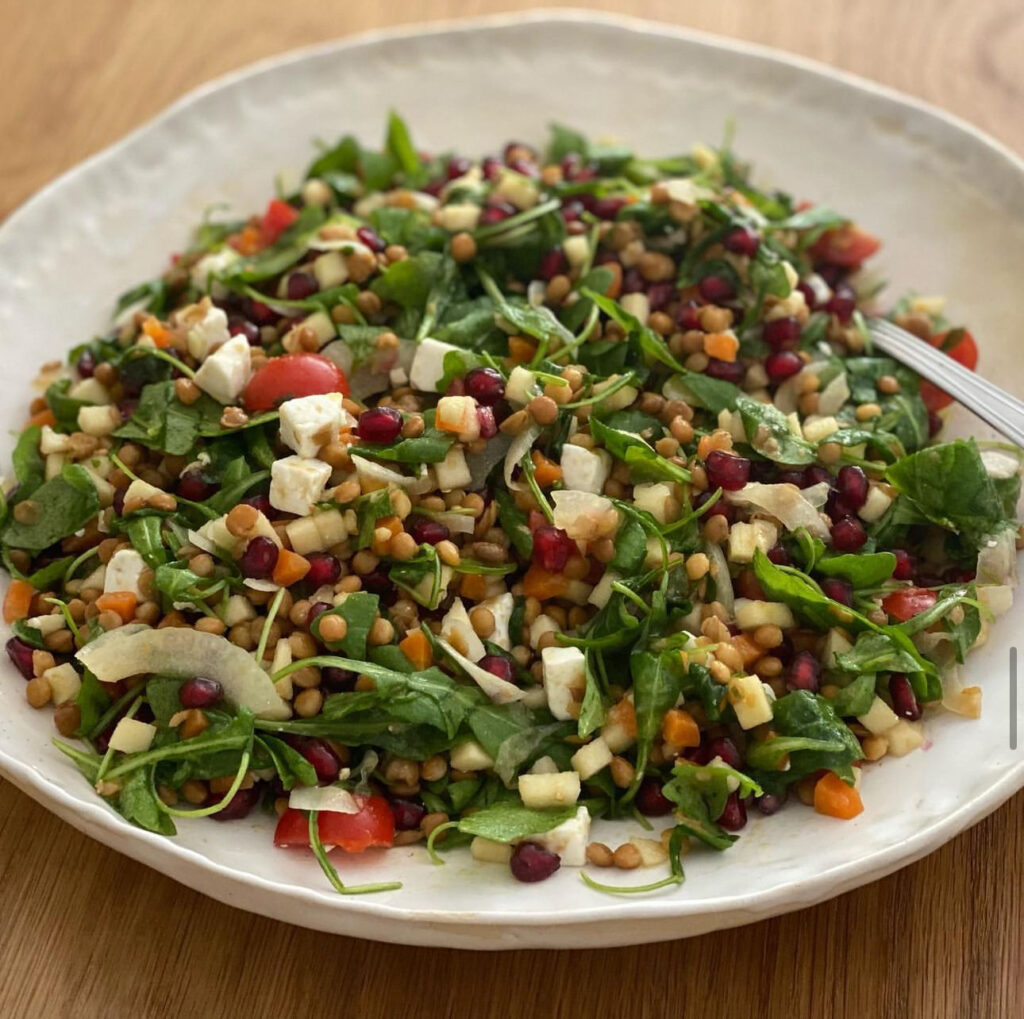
88,933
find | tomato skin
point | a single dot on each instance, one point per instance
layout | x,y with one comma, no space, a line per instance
284,378
964,351
278,217
374,825
908,602
846,245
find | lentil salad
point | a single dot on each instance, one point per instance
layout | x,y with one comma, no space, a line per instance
463,502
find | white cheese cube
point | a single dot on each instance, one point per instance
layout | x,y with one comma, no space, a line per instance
458,631
750,614
427,367
212,265
749,700
653,497
457,414
330,270
89,391
64,683
602,589
304,536
591,758
331,525
565,680
542,792
903,737
638,305
99,421
522,386
488,851
585,470
576,250
296,483
880,717
744,538
569,840
131,736
224,374
124,571
209,333
423,592
501,607
94,580
309,422
54,442
541,625
875,506
453,471
459,216
470,756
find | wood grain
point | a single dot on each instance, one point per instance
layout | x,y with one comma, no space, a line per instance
89,933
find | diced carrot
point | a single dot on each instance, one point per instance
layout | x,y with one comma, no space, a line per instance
123,603
520,349
832,796
623,714
748,649
157,332
415,646
543,584
18,600
473,587
44,417
248,241
680,729
546,472
615,287
723,346
290,569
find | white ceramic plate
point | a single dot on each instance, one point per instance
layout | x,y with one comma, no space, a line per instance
948,201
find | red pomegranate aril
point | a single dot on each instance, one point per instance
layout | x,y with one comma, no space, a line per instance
904,569
238,326
526,167
336,680
239,805
552,548
301,285
781,365
491,167
934,424
632,281
608,208
734,813
485,385
532,862
659,295
838,590
118,502
552,263
86,364
316,610
791,477
496,212
778,555
426,531
832,274
842,303
259,558
650,800
379,583
852,484
194,487
457,387
804,672
781,332
258,312
720,508
199,692
727,371
572,209
723,748
319,753
458,166
716,289
770,803
323,569
810,297
688,315
904,702
848,535
726,471
408,814
21,654
372,239
742,241
815,475
514,149
485,420
260,501
380,425
498,666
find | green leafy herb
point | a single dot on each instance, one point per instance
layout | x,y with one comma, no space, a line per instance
66,504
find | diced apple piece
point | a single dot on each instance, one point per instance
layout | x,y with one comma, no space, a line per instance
544,792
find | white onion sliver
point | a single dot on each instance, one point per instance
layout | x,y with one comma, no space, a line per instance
834,395
719,573
520,446
331,799
791,506
499,690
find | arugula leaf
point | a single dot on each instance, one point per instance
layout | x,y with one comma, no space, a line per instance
66,504
863,569
514,523
876,652
65,408
147,539
700,793
92,700
408,283
420,577
644,462
137,803
161,421
163,697
400,146
817,216
358,610
508,822
769,433
29,463
699,684
855,699
292,768
699,390
429,448
630,546
282,254
652,345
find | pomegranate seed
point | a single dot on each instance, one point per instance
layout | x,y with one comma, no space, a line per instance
810,297
688,315
659,295
258,312
499,666
726,471
194,487
848,535
552,548
763,471
379,583
371,238
118,502
199,692
238,326
239,805
86,364
650,800
842,303
770,803
336,680
21,654
716,289
260,501
852,484
804,672
781,332
572,209
491,167
380,424
485,420
791,477
259,558
904,565
532,862
778,555
607,208
724,748
742,241
838,590
526,167
496,212
457,387
316,610
749,586
815,475
426,531
728,371
720,509
904,703
408,814
781,365
633,282
323,569
301,285
833,275
552,263
934,424
319,753
734,814
458,166
485,385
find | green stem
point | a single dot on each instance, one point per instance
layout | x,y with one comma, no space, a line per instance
265,635
109,755
672,879
328,868
486,233
623,380
432,838
110,714
527,464
217,807
170,359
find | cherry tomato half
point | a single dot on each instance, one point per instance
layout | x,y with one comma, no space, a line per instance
961,347
284,378
278,217
846,245
909,602
374,825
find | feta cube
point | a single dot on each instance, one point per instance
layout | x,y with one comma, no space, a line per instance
744,538
749,700
453,471
470,756
237,609
880,718
309,422
638,305
517,189
131,736
458,631
836,643
585,470
458,216
99,421
565,680
751,613
427,367
501,607
541,625
64,683
569,839
124,572
211,265
653,497
224,374
331,525
330,270
55,463
591,758
876,505
209,333
89,391
296,483
602,589
53,442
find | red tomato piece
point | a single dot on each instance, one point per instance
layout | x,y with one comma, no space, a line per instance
964,349
374,825
278,217
846,245
909,602
284,378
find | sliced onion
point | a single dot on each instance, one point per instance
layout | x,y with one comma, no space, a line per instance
719,572
481,464
787,396
791,506
580,514
997,561
457,523
261,585
378,472
518,448
499,690
834,395
330,798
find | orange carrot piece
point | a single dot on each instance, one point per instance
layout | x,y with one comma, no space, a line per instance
543,584
520,349
723,346
546,472
123,603
44,417
748,649
473,586
832,796
415,646
290,568
615,287
18,600
680,729
623,714
157,332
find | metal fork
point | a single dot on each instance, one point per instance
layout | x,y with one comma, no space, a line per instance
1002,411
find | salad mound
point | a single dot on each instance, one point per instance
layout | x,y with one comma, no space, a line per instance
463,502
